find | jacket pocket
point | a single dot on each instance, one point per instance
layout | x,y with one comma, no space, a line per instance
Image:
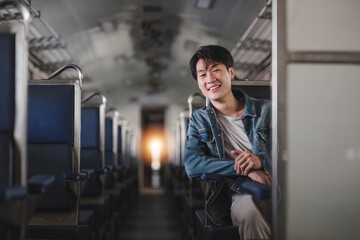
205,136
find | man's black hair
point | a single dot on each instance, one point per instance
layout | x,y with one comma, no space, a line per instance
211,53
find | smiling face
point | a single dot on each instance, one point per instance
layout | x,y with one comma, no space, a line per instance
214,80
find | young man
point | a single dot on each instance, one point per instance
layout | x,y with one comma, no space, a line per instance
230,137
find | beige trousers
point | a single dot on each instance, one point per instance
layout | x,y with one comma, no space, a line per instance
245,215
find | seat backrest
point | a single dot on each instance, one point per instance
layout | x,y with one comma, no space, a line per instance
92,145
262,91
51,114
7,77
7,107
13,100
54,136
13,97
90,138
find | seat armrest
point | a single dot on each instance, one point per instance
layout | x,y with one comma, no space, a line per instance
209,177
256,189
12,193
74,176
89,173
110,168
101,171
118,168
39,183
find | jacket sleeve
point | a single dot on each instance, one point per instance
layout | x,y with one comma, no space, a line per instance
265,156
197,158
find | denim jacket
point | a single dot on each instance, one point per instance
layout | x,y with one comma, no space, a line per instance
205,152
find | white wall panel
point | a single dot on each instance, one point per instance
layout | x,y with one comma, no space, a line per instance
323,25
323,137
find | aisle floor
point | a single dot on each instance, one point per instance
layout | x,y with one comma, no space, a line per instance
151,216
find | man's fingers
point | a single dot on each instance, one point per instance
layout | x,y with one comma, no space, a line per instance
243,166
237,166
248,168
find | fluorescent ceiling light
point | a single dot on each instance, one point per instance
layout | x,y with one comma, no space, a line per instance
204,4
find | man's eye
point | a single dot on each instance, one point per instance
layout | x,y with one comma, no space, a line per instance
215,70
202,75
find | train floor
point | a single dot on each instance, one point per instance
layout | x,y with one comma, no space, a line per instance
151,217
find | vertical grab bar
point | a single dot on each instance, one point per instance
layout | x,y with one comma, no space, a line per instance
191,100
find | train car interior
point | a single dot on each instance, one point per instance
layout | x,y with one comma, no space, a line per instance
97,99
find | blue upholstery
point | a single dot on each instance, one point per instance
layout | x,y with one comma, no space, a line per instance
71,176
90,126
101,171
6,159
90,148
12,193
209,177
52,159
50,114
90,158
89,173
38,184
257,189
7,81
109,154
108,134
50,138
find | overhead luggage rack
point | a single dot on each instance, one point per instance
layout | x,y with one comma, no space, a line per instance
252,53
47,51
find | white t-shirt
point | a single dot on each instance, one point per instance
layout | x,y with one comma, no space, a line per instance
235,137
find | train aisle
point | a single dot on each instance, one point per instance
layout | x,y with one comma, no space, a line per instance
150,217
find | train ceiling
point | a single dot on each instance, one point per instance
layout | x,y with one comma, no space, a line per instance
138,50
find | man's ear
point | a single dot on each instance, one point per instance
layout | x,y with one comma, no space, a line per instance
232,72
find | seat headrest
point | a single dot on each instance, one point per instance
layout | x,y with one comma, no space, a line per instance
51,114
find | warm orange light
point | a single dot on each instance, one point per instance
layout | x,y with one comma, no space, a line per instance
155,150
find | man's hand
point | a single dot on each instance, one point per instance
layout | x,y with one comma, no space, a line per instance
260,176
245,161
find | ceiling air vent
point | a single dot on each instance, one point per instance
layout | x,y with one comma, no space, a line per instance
152,8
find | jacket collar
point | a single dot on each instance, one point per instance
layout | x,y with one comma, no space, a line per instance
239,95
249,105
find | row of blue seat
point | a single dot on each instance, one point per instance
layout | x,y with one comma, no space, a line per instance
65,173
